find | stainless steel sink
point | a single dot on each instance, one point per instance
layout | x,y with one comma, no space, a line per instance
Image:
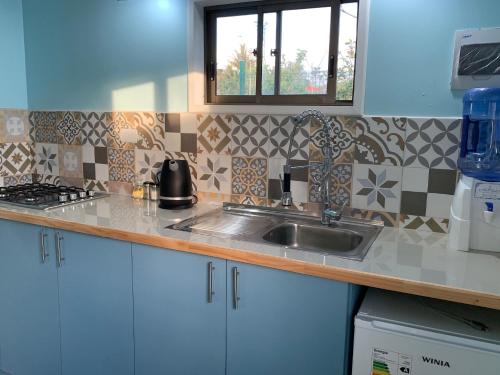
314,237
347,238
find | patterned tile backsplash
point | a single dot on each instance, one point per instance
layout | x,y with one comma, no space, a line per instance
399,170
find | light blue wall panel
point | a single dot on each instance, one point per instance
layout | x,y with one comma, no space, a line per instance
12,66
106,54
410,49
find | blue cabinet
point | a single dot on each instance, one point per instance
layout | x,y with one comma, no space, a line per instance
96,303
29,315
177,329
284,323
97,306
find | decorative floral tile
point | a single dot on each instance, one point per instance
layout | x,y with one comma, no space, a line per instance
250,135
17,180
151,130
281,129
44,124
122,130
96,185
16,158
191,158
214,173
249,200
340,184
376,187
121,165
148,164
31,127
214,134
94,129
343,138
47,159
70,161
68,127
48,179
432,143
390,219
14,126
379,140
424,224
249,176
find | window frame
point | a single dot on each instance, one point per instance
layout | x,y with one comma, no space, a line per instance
210,16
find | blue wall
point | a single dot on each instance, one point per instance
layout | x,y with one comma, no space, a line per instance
12,62
410,52
106,54
131,54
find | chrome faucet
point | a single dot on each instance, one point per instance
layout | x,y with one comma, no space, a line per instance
328,214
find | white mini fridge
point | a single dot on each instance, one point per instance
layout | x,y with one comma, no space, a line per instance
398,334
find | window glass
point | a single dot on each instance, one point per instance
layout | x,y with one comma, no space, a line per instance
236,60
347,50
305,51
269,54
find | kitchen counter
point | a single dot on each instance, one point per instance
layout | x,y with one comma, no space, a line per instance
400,260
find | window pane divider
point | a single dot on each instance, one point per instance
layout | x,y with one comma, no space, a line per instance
260,52
277,61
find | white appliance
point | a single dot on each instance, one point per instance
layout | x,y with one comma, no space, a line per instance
475,60
398,334
473,221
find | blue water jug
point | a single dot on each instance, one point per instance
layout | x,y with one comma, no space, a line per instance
480,143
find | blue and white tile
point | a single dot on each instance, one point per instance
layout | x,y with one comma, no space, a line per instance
214,173
14,126
432,143
47,159
249,135
280,132
376,187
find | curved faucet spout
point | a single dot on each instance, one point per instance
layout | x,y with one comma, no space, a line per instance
327,133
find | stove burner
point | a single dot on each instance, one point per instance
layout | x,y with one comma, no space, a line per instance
44,195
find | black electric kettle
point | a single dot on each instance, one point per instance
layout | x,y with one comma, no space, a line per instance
176,190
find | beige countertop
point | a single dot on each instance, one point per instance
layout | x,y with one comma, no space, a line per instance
401,260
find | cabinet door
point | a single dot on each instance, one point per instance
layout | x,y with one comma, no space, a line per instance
177,330
95,283
285,323
29,316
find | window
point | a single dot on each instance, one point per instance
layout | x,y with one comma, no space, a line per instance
281,52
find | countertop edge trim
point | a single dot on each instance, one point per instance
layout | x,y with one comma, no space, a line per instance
392,283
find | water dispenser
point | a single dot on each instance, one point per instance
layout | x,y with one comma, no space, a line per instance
474,223
480,143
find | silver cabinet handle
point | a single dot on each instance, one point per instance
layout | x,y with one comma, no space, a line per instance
211,292
43,249
236,297
59,254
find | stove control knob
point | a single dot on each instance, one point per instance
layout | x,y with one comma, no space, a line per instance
91,193
73,196
63,197
82,194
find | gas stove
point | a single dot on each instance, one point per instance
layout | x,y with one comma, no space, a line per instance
42,196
